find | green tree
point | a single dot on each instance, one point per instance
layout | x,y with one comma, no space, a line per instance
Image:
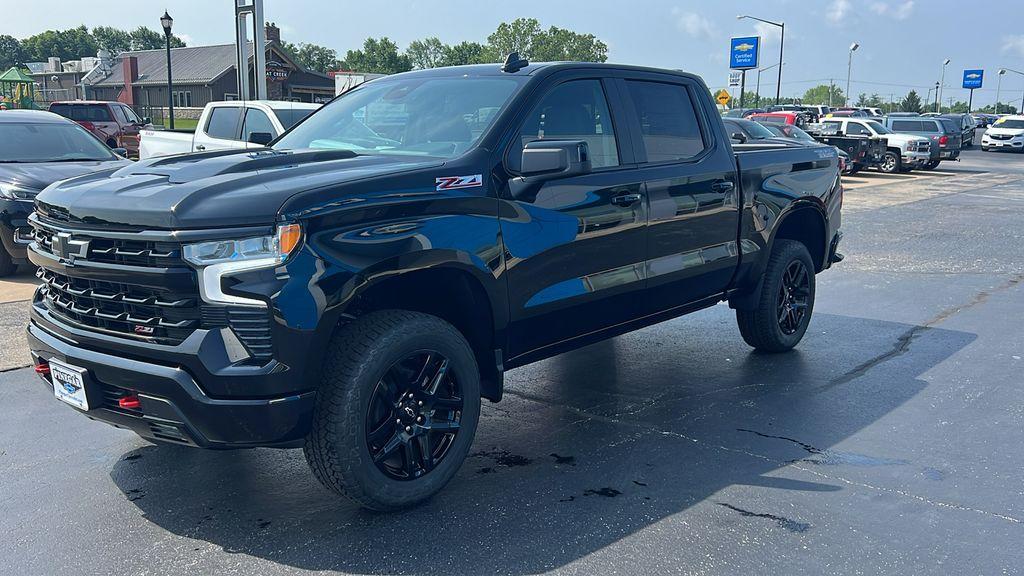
824,94
515,36
427,53
468,53
873,101
1004,108
148,39
377,56
313,56
911,103
558,44
69,44
113,39
11,52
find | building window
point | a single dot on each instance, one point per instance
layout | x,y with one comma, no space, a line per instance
182,98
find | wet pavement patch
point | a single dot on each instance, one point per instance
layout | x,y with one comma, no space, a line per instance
131,457
606,492
504,458
135,494
485,470
639,483
569,460
832,457
783,522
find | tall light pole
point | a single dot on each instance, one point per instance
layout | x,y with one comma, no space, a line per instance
999,84
942,82
758,89
1022,97
937,101
849,68
166,22
782,47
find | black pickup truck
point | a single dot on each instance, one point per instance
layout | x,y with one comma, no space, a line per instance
358,286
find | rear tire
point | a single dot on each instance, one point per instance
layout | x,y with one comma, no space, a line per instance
371,441
7,265
785,303
931,165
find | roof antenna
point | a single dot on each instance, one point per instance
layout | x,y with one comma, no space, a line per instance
513,63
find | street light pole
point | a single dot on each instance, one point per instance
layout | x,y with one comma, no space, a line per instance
1021,111
937,102
942,82
999,85
782,47
166,22
849,68
758,89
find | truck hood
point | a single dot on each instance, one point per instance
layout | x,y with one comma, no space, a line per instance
1004,131
901,139
210,190
39,175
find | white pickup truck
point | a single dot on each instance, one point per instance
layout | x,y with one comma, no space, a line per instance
229,124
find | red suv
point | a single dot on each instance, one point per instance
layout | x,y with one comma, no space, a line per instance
114,123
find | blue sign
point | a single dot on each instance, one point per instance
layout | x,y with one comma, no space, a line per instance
744,52
973,78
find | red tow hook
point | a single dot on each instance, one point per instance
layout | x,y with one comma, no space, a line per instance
43,368
130,402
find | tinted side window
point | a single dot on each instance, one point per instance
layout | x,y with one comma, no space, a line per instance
575,110
668,120
854,129
905,126
256,121
223,123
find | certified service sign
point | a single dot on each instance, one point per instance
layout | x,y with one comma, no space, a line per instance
973,79
744,52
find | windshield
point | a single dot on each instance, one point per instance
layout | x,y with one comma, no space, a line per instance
792,132
290,116
1012,124
757,131
878,128
50,142
441,117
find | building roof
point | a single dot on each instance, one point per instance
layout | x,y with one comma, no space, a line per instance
13,74
191,65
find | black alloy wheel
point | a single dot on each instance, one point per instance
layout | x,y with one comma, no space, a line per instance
414,416
793,297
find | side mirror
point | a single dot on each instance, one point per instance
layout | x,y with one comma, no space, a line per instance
738,137
122,152
545,160
261,138
147,121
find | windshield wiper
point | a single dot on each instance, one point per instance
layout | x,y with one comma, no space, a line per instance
76,160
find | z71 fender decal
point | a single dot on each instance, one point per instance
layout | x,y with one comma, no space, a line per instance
455,182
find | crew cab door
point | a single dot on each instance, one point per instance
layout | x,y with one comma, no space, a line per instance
220,129
692,191
575,249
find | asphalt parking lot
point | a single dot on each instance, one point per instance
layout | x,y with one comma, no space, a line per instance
888,442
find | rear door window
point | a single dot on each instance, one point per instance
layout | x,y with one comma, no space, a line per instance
855,129
83,112
906,126
223,123
669,124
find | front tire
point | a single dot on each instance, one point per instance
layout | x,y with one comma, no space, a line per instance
397,409
890,163
931,165
785,303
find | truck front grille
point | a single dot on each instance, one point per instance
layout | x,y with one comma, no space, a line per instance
114,251
121,308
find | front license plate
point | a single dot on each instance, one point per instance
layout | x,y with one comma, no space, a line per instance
69,384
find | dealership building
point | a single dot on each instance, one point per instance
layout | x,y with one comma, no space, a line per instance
203,74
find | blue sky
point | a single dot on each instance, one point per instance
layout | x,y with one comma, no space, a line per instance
903,42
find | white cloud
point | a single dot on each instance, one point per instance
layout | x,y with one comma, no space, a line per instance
898,11
186,39
1014,45
694,24
904,10
838,11
767,31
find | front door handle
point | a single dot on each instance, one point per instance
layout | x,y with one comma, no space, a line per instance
722,186
200,147
626,199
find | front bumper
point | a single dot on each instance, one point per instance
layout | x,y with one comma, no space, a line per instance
1016,143
173,405
914,159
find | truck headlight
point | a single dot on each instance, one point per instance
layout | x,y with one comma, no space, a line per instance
11,191
218,258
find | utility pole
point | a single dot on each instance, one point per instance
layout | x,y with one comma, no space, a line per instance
849,67
831,89
942,82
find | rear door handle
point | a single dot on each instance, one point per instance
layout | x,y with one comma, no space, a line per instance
722,186
200,147
626,199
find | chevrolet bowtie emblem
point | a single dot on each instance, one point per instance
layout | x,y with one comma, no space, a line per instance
67,248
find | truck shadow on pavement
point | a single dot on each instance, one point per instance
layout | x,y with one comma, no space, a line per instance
586,450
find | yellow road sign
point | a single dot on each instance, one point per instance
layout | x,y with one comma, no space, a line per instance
722,97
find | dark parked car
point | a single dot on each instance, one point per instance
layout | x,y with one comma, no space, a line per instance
943,133
741,130
358,294
743,112
37,149
967,128
790,132
114,123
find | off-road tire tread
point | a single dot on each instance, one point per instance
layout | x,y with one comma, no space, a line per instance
352,347
759,327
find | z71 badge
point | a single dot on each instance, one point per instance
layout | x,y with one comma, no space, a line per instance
456,182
